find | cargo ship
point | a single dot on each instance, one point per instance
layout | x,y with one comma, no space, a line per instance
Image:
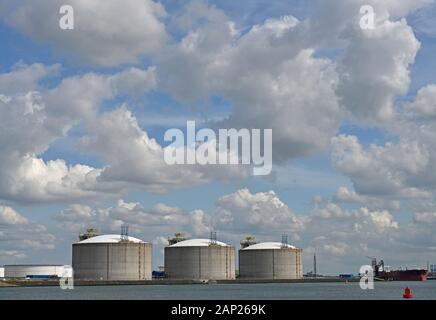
380,272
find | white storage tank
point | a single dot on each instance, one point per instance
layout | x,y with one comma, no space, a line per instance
270,261
200,259
33,271
2,272
112,257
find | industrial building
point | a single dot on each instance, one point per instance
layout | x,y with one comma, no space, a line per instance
2,272
200,259
270,261
34,271
112,257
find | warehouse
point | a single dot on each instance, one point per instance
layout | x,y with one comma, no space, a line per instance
200,259
112,257
270,260
34,271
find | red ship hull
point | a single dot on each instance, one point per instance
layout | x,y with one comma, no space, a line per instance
404,275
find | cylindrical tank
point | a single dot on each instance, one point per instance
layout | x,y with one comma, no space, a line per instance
32,270
200,259
112,257
270,260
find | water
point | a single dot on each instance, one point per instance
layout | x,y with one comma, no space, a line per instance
296,291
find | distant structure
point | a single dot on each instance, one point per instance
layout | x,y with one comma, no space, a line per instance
213,238
2,272
314,265
125,232
248,241
89,233
34,271
270,260
112,257
284,240
178,237
200,259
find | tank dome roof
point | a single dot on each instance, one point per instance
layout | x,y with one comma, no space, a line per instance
109,238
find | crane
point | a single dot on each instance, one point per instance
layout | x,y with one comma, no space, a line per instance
377,267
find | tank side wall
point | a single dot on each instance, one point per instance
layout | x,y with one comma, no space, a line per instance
270,264
112,261
182,262
256,264
90,261
206,263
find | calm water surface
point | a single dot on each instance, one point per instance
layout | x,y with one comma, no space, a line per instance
313,291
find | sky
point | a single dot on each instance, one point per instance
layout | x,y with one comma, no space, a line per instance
83,114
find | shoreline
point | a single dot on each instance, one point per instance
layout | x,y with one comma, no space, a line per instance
83,283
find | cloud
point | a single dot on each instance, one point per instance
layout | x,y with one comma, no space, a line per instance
368,85
25,78
363,217
106,35
343,238
261,213
331,211
267,79
424,105
393,169
330,20
425,218
132,157
336,249
345,195
268,72
381,220
399,171
12,254
32,121
9,216
19,236
423,20
159,220
134,82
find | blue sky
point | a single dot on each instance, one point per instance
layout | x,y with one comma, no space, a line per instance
265,66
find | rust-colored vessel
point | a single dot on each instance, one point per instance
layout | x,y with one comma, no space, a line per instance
403,275
398,275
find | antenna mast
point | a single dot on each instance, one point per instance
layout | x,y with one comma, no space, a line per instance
213,237
125,232
284,240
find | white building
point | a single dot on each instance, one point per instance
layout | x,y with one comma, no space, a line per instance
34,271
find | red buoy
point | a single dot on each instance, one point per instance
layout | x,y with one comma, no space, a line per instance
407,294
